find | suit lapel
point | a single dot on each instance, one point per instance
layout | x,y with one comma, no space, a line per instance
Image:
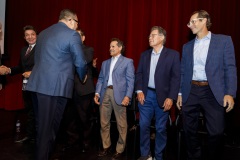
163,54
212,46
190,52
108,68
119,61
148,61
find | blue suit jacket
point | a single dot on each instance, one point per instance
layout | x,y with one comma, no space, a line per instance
220,68
122,78
58,52
167,74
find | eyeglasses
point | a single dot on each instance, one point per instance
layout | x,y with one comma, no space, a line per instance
193,21
153,35
75,21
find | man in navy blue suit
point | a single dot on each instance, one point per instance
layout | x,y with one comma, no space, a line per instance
208,85
58,53
157,85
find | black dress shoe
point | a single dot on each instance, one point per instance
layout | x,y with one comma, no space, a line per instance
67,147
116,156
23,140
85,147
104,152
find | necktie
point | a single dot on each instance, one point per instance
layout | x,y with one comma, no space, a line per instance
28,50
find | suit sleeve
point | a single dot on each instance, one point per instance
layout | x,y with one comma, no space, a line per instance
89,55
100,81
182,64
17,69
175,77
130,79
230,72
78,56
139,74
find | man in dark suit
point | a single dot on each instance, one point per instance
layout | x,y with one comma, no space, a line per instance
157,83
80,127
114,89
208,85
58,54
25,66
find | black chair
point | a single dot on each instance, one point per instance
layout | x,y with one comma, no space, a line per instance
201,130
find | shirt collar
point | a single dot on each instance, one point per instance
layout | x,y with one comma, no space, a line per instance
208,36
32,45
154,53
116,57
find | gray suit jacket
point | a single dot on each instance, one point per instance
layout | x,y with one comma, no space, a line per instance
122,78
58,52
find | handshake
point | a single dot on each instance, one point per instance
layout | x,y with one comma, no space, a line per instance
4,70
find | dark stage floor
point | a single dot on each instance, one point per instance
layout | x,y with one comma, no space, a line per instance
15,151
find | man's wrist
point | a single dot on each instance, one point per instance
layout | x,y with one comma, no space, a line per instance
97,94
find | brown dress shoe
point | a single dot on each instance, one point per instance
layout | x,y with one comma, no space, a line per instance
104,152
116,156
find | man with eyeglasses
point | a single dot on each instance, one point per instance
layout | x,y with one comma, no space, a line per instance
157,83
208,85
58,54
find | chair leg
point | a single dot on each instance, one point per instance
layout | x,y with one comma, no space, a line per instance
134,143
179,145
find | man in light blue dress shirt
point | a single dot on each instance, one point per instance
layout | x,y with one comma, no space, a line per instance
208,85
157,83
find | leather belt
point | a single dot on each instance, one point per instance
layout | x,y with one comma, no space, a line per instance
152,89
111,87
200,83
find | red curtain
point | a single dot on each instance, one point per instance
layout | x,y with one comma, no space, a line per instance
129,20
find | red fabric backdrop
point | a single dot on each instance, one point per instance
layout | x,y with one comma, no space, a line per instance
129,20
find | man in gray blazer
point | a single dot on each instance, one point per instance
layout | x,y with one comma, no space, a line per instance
58,52
114,88
208,84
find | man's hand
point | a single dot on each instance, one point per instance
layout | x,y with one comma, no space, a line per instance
167,105
94,63
96,99
125,101
141,97
4,70
26,74
179,102
228,102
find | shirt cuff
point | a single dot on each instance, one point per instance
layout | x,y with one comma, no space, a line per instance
138,91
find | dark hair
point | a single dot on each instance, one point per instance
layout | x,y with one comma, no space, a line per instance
81,32
29,27
67,13
160,31
119,43
204,14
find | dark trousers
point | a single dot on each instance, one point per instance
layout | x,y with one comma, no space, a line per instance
201,99
80,126
147,112
48,111
28,104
